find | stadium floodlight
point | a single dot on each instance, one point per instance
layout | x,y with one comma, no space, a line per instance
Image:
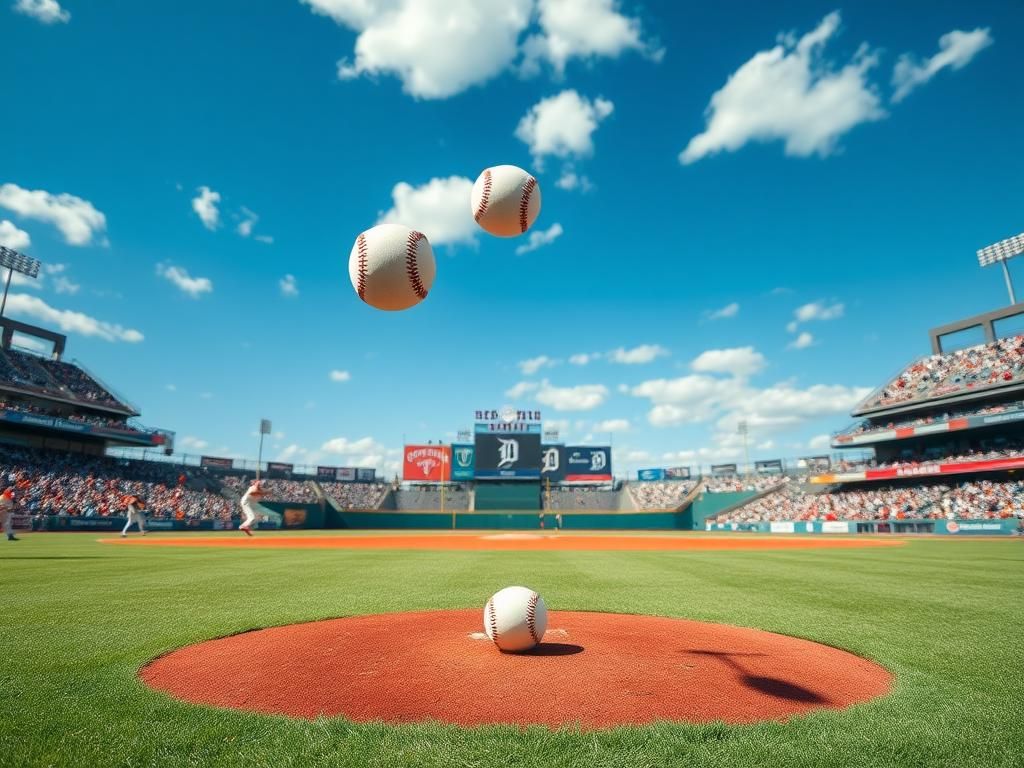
1002,252
16,262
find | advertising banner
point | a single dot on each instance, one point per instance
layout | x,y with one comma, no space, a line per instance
513,456
835,526
650,474
53,422
816,463
216,461
717,470
427,463
326,473
930,469
501,427
463,462
552,463
770,467
277,468
366,475
782,526
677,473
345,474
587,464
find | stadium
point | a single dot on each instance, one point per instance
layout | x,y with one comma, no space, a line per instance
510,384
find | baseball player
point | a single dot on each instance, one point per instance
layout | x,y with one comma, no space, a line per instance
251,496
136,514
7,513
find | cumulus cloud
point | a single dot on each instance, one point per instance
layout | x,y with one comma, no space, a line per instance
820,443
803,341
364,452
70,321
534,364
740,362
45,11
583,397
195,443
521,389
339,376
439,209
562,125
956,50
582,358
645,353
729,310
539,238
12,237
77,219
288,285
193,286
205,206
816,310
611,425
791,93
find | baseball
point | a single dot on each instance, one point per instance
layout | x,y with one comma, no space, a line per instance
515,619
505,201
391,267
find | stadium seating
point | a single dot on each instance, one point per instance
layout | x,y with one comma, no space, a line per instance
355,495
660,495
301,491
54,378
580,498
986,451
735,483
985,365
455,498
867,426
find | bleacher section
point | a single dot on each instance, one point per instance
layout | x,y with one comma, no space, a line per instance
355,495
429,497
25,372
660,495
580,498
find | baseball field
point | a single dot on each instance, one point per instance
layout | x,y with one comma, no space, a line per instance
81,619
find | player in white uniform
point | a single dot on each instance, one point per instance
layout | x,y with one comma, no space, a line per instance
7,513
251,496
135,507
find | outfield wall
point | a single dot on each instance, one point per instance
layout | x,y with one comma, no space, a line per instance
942,527
511,520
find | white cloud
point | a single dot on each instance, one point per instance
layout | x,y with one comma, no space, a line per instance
803,341
77,219
193,286
562,125
13,237
611,425
685,390
439,209
264,239
534,364
539,238
819,310
70,321
46,11
582,358
289,287
249,219
583,397
364,452
63,284
792,94
205,206
188,441
741,362
581,29
520,389
956,49
729,310
437,48
820,443
340,376
645,353
342,445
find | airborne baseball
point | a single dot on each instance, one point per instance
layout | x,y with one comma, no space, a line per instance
515,619
505,200
391,267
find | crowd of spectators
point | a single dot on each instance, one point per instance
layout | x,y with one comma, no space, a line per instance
53,377
939,375
580,497
973,499
53,483
1004,449
867,426
356,495
734,483
668,494
429,497
300,491
94,419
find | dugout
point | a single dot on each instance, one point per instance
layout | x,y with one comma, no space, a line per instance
508,496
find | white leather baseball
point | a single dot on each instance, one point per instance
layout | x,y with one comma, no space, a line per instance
505,200
391,266
515,619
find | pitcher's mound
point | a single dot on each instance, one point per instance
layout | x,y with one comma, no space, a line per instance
595,670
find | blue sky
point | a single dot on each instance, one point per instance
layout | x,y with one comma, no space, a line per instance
749,213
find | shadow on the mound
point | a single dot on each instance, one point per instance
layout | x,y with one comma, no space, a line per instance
780,688
553,649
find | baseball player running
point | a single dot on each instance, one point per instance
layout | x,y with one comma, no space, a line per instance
136,514
251,497
7,513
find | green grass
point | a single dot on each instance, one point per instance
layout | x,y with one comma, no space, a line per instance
79,618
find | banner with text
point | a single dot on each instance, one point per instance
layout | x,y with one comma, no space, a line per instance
588,464
217,462
514,456
677,473
463,461
648,475
427,463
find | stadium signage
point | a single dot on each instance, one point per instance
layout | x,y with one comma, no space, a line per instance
216,462
65,425
427,463
677,473
506,419
723,469
769,467
276,466
508,456
341,474
923,470
586,464
366,475
463,462
649,475
552,463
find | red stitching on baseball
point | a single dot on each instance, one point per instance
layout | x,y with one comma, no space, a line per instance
363,250
485,196
531,616
492,619
524,204
411,268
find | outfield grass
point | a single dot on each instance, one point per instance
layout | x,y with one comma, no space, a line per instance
79,618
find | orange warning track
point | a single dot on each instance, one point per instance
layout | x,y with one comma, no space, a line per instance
539,543
594,670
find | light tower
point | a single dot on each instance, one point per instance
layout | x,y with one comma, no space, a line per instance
1002,252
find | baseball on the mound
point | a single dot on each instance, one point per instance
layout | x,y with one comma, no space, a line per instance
515,619
505,201
391,267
